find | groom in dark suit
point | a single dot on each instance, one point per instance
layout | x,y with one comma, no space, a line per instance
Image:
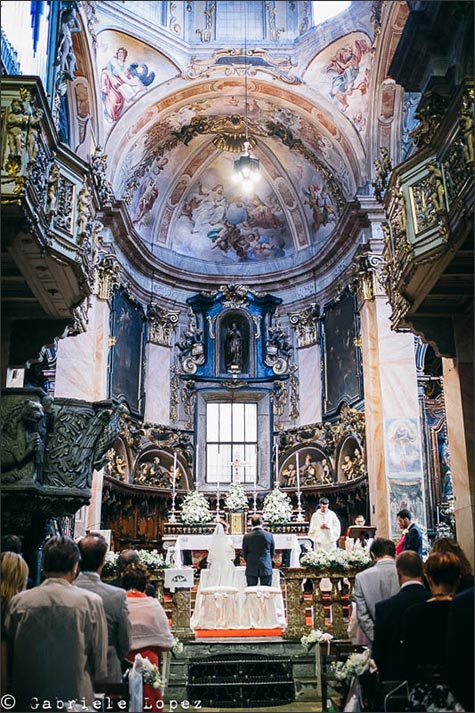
387,646
258,549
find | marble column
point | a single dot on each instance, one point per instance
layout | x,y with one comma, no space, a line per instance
459,400
393,433
157,384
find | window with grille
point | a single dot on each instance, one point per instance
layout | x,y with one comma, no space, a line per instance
233,17
231,438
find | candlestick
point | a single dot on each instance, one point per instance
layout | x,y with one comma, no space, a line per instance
276,464
174,472
298,470
300,517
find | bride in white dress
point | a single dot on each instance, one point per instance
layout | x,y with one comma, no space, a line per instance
221,556
216,599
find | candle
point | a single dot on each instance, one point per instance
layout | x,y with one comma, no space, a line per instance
174,471
298,470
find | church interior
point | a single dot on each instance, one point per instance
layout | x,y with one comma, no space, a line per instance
237,277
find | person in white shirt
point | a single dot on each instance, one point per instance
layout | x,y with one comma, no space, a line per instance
325,527
357,543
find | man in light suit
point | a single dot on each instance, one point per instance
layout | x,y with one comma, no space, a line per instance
376,583
389,613
258,549
93,548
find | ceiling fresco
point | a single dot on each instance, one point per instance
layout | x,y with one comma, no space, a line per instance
172,135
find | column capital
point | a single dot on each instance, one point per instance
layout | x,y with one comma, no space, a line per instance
305,324
162,323
369,277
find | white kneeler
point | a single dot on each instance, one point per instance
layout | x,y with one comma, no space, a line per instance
263,608
216,608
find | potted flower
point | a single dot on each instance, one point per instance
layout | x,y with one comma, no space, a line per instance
195,509
277,509
336,561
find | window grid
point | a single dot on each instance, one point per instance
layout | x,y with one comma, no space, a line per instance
231,433
234,15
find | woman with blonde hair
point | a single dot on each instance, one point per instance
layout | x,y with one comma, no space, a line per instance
14,573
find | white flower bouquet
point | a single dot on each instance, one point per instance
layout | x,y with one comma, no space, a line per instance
236,499
277,509
152,559
316,636
195,509
150,672
110,565
336,560
355,665
177,647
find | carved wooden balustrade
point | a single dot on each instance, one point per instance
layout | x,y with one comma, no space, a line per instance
49,203
296,621
429,209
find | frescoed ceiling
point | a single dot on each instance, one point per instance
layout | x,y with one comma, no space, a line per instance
172,125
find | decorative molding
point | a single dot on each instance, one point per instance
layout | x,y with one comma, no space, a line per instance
161,324
107,273
305,324
191,347
233,62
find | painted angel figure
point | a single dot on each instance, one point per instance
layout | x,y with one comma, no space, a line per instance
346,63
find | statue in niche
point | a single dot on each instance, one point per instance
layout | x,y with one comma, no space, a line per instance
233,348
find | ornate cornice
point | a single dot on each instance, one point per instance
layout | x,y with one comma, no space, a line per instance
305,324
162,323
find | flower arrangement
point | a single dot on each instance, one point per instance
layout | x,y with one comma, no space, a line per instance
149,671
355,665
110,565
337,560
195,509
316,636
236,499
177,647
152,559
277,509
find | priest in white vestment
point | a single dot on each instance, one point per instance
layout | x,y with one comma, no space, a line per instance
325,527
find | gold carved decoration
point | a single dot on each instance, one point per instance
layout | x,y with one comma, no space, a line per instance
161,323
305,324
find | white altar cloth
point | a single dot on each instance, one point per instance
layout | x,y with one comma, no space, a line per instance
235,608
202,542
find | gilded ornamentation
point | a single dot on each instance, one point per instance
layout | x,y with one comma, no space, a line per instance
174,390
278,349
154,474
294,412
51,194
38,172
305,324
429,117
400,213
84,215
209,12
131,431
235,296
161,323
466,127
423,214
276,68
188,399
106,276
437,195
455,171
383,168
64,196
231,132
279,401
17,121
99,174
34,125
369,278
191,347
115,465
275,31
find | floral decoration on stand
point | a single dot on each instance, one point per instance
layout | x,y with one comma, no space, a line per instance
277,508
195,509
355,665
337,560
236,499
152,559
110,565
316,636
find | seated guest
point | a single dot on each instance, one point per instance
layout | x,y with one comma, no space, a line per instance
445,544
375,583
56,634
93,548
459,648
413,535
387,647
150,630
423,633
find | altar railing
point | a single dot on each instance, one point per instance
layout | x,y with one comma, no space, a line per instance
326,603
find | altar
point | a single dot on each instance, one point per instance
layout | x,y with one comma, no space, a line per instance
283,541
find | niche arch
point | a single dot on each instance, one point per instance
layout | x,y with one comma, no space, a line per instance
235,348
